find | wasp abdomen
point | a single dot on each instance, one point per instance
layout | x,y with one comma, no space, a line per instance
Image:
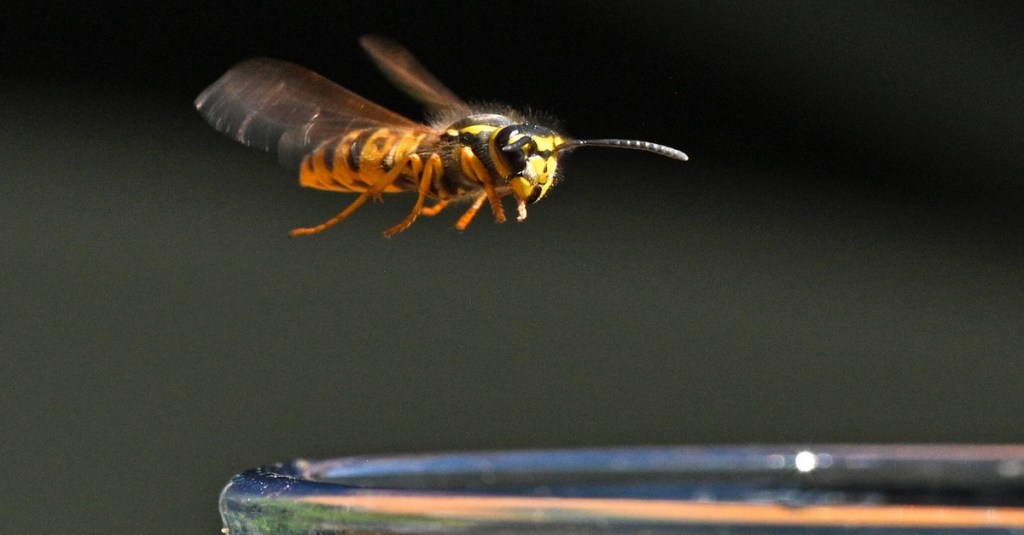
360,160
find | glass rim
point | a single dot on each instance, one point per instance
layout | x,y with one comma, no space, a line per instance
764,488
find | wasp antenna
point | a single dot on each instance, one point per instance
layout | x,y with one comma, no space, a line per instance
626,144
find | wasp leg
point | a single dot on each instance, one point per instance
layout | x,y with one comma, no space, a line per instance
432,168
472,166
334,220
374,192
434,210
467,217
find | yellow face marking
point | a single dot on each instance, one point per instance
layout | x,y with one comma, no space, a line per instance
547,145
535,169
545,167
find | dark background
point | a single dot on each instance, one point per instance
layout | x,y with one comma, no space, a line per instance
840,261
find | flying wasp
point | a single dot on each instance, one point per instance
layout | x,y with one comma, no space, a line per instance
343,142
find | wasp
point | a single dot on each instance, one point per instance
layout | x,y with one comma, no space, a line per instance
341,141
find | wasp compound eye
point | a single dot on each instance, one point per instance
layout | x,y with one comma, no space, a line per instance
512,152
515,154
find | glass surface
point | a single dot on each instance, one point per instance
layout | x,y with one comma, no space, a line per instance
716,490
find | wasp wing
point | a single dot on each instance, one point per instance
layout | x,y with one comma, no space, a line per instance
402,68
276,106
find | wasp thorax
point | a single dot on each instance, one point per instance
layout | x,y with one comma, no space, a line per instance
527,158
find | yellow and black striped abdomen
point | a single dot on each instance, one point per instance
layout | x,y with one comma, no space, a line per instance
361,159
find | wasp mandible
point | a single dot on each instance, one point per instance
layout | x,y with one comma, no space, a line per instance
343,142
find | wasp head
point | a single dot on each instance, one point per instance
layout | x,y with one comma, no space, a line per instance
527,156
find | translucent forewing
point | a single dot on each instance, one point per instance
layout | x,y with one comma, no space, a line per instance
280,107
409,75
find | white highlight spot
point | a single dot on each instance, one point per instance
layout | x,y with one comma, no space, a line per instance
806,461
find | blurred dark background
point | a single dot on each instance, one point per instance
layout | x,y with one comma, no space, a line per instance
840,261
